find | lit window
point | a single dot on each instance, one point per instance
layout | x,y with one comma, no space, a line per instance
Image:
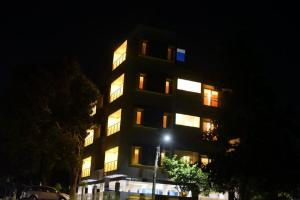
162,157
141,81
205,160
167,86
207,125
114,122
89,138
187,85
187,120
170,54
119,55
234,142
111,159
210,98
135,155
144,48
86,167
139,114
188,156
165,120
94,109
180,55
116,88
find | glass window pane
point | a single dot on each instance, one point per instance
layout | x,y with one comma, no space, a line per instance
187,120
190,86
116,88
111,159
114,122
120,55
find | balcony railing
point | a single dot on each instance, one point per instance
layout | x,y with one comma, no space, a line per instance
85,172
116,94
88,140
121,59
113,128
110,166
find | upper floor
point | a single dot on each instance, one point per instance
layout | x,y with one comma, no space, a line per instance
149,43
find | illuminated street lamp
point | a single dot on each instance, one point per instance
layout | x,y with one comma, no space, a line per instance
166,139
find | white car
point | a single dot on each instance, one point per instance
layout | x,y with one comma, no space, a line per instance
42,193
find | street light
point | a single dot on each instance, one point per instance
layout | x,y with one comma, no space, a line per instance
166,138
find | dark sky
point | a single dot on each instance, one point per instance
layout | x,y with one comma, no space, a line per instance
36,32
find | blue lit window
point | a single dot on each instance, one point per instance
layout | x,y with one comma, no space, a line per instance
180,55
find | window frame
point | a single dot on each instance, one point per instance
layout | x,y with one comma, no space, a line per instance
182,85
168,89
118,124
88,140
211,99
118,61
143,76
84,170
132,154
139,110
197,117
143,49
114,162
122,76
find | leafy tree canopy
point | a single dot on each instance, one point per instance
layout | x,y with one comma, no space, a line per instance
189,177
46,114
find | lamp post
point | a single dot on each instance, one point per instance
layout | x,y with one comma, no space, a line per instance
166,138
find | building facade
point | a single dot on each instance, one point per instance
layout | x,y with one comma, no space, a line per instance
152,92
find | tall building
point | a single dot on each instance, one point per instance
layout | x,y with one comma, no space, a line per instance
152,91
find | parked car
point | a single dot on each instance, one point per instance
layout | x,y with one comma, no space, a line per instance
42,193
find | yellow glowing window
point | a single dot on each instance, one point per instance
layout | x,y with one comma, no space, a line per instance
116,88
120,55
89,138
234,142
188,156
210,98
144,48
187,120
167,87
111,159
114,122
165,120
205,160
141,81
94,109
86,167
207,125
170,53
135,155
139,116
190,86
162,156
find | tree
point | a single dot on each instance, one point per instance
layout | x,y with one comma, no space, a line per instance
47,114
188,177
265,163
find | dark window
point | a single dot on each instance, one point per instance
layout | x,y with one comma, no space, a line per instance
148,155
152,117
157,49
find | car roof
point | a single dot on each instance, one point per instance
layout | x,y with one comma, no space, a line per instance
38,186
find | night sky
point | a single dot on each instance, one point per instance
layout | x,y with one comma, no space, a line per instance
212,32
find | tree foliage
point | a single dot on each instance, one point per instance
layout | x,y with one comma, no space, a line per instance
189,177
266,162
45,120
